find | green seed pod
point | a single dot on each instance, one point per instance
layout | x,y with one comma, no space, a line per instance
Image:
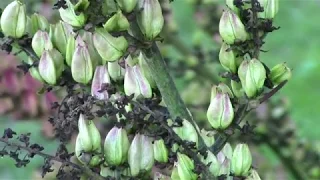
223,88
96,59
140,156
231,28
220,112
69,15
40,42
270,8
187,132
174,173
109,7
34,72
253,175
71,47
82,5
110,48
100,78
86,158
136,83
89,136
116,72
241,160
81,66
51,66
118,22
208,137
116,146
150,18
185,168
14,20
127,5
36,22
211,159
60,34
280,73
231,5
252,75
227,58
160,151
146,70
227,150
237,89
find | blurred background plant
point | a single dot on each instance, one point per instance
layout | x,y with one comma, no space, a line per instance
286,140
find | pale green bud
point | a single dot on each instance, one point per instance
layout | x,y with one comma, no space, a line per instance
222,88
82,5
60,34
109,7
252,75
237,89
136,83
116,146
174,173
34,72
208,137
231,28
232,6
253,175
37,22
127,5
96,59
160,151
69,15
270,8
220,112
118,22
227,58
71,47
211,159
150,18
280,73
89,136
227,150
40,42
116,72
146,70
241,160
87,158
185,168
100,78
14,20
81,65
51,66
110,48
140,155
187,132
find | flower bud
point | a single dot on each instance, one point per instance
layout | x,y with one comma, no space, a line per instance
185,167
230,4
174,173
96,59
211,159
231,28
160,151
37,22
225,167
187,132
40,42
136,83
118,22
110,48
116,146
140,155
270,8
69,15
150,18
223,88
14,20
82,5
253,175
227,150
252,75
71,46
81,65
220,112
241,160
146,70
100,79
127,5
228,58
280,73
89,136
84,157
51,66
208,137
116,72
60,34
237,89
34,72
